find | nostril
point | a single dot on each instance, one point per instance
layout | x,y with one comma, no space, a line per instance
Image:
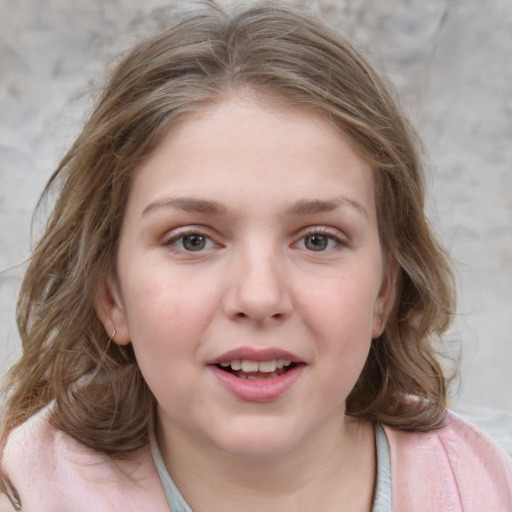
275,316
258,304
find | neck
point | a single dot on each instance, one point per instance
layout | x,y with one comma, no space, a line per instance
333,470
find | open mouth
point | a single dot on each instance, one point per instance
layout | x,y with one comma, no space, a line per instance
257,375
256,370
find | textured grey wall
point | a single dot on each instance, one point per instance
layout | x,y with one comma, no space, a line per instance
450,60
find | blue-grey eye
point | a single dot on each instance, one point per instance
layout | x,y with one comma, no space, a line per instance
190,241
316,242
194,242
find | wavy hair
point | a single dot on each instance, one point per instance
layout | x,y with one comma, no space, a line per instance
97,392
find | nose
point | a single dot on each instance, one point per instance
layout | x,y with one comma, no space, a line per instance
259,289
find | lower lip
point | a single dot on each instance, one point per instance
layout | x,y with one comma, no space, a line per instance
259,390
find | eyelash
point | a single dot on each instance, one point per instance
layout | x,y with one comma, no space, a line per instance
316,231
325,232
183,234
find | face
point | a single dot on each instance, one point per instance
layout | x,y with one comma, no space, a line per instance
250,277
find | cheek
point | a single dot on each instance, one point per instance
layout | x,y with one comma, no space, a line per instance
340,317
166,314
165,332
345,304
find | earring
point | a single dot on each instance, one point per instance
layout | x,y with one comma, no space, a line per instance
112,337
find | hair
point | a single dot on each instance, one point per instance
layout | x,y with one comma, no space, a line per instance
95,388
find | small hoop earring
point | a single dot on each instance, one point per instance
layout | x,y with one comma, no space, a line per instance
112,337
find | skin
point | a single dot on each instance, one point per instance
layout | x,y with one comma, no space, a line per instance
277,177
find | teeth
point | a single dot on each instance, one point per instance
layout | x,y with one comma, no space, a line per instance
256,377
249,366
267,366
236,365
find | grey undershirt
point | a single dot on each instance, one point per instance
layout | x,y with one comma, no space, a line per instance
382,502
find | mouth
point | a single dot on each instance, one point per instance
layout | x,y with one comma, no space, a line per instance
257,374
256,370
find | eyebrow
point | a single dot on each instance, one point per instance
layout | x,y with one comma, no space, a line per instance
305,206
188,204
212,207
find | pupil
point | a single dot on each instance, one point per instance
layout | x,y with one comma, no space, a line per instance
316,242
194,242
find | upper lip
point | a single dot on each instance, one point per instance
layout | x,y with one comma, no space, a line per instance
256,354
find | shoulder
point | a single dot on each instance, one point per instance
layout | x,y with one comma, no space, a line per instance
49,470
457,467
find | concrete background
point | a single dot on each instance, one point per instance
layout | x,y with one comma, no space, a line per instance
450,60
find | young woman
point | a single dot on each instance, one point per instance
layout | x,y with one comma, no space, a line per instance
237,300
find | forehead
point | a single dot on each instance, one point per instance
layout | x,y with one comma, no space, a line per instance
245,149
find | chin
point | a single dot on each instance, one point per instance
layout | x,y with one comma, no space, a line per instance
258,440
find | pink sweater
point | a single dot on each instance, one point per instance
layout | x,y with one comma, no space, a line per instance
455,469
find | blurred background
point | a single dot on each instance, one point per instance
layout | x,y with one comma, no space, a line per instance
450,62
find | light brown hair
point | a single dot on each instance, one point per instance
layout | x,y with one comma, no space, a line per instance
97,391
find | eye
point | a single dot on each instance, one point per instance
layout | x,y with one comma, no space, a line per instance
191,242
318,242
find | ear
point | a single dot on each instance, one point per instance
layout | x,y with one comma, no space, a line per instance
111,312
386,298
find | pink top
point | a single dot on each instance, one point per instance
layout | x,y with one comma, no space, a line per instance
455,469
